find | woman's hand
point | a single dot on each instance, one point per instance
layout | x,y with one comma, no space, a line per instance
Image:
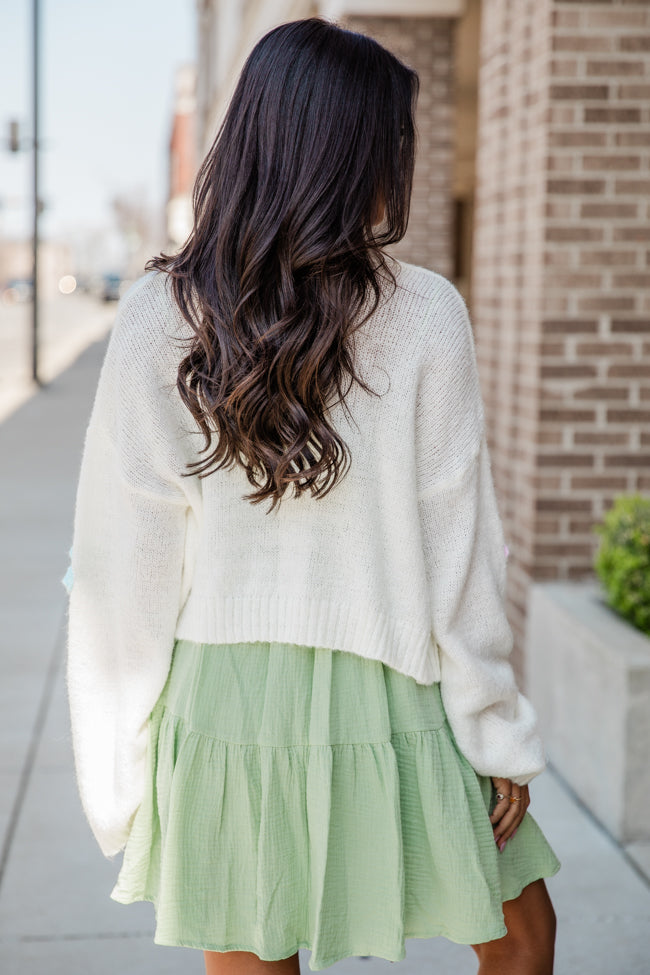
510,810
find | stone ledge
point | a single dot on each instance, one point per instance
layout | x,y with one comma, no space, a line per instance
588,676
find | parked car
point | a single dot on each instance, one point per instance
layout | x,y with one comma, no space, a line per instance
111,287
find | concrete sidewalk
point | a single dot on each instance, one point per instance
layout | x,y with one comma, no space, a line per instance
55,911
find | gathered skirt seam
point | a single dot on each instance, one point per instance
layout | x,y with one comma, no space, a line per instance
306,744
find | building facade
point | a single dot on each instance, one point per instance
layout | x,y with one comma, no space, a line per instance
182,157
532,193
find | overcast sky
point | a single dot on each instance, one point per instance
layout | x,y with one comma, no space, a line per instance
107,82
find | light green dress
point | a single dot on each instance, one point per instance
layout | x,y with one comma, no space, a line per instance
301,797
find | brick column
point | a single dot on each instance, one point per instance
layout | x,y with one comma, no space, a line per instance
425,43
561,278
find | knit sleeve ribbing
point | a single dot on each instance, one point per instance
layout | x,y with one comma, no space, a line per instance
127,564
495,725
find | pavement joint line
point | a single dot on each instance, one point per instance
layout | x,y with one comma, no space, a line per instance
631,862
35,738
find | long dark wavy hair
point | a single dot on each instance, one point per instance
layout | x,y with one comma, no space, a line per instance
284,260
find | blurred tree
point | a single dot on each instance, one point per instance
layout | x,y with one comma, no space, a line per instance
140,226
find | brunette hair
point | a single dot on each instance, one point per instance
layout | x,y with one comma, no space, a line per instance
283,262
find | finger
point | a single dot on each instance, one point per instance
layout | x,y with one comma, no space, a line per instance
503,789
501,809
505,828
519,803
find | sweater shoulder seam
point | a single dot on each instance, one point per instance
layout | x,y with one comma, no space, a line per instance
143,492
451,482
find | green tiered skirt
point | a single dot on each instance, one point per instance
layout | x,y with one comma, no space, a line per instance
300,797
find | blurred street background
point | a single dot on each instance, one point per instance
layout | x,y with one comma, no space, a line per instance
532,194
69,324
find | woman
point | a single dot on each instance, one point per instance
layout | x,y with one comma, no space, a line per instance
290,695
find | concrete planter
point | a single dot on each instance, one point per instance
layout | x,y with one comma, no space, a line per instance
588,676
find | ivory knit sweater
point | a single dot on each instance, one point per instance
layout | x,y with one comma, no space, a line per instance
403,561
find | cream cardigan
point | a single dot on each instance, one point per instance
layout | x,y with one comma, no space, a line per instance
403,561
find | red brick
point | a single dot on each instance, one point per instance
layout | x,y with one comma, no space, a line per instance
635,42
581,526
615,18
575,280
552,348
561,163
577,139
553,326
614,115
575,185
580,572
565,460
608,68
607,210
632,233
628,416
600,437
611,162
564,67
630,325
557,257
543,573
581,42
545,436
627,460
542,549
639,187
603,348
568,370
629,369
565,18
566,415
633,91
630,280
603,303
593,482
544,482
608,258
533,299
558,92
562,504
632,138
574,233
602,392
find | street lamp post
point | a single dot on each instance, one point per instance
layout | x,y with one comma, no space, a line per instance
15,143
35,175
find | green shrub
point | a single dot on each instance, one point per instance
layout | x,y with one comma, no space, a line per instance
622,562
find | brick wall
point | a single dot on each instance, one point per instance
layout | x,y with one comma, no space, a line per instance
425,43
561,277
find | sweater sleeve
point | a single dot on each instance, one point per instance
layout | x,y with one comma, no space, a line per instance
127,577
494,725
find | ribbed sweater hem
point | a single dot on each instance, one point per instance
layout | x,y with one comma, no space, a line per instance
400,644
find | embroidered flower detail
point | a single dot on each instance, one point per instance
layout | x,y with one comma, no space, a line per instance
507,550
